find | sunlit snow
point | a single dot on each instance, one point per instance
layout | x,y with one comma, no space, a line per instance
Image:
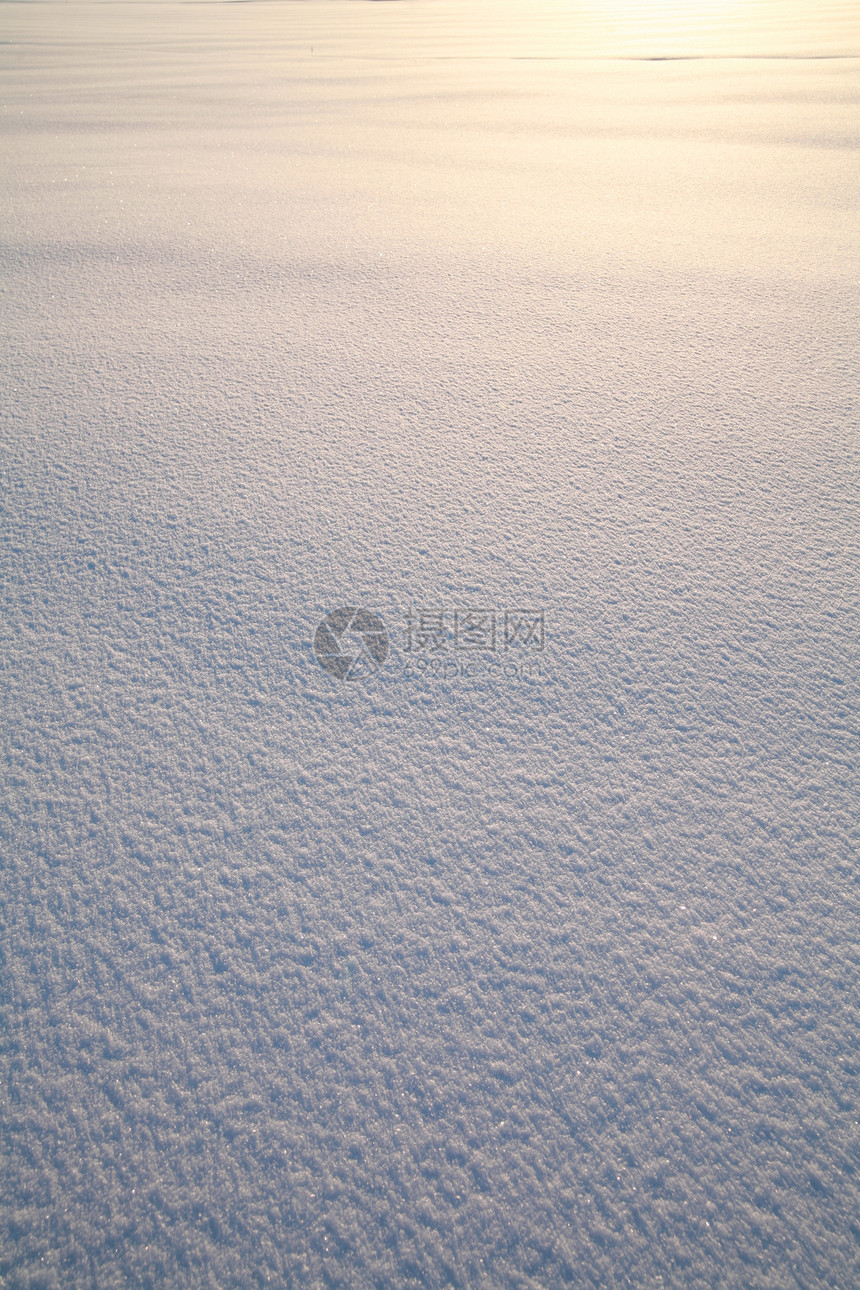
515,946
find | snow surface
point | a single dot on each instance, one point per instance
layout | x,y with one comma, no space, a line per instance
477,981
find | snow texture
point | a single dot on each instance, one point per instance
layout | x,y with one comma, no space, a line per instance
412,981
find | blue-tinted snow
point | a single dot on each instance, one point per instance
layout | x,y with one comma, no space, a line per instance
471,982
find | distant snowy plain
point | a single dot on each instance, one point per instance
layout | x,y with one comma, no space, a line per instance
470,980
